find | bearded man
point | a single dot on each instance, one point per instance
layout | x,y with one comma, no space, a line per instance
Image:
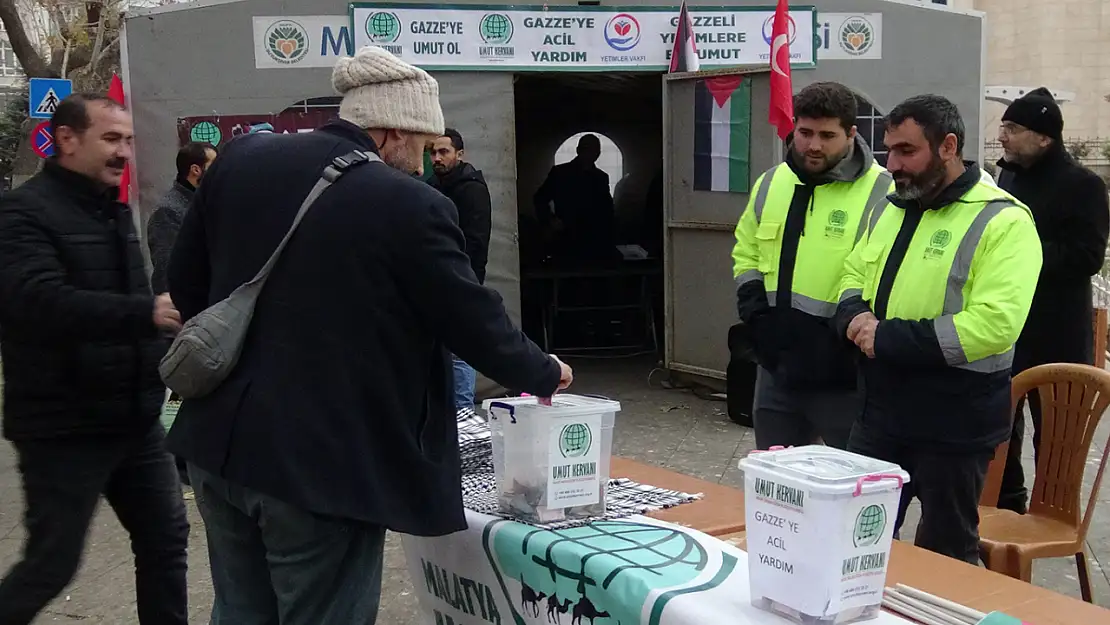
934,296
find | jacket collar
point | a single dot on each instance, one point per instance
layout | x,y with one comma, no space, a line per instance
948,195
346,130
77,184
184,186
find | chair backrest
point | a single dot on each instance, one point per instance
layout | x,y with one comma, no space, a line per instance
1073,399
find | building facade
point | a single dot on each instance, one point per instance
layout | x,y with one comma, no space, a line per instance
1062,45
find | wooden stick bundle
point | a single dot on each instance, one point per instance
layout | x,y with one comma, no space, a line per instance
928,609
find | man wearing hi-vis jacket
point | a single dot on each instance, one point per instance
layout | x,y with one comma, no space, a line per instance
935,295
803,219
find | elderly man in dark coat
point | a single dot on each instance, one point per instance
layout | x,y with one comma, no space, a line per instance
1069,204
338,421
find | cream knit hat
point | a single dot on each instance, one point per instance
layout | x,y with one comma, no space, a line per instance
381,91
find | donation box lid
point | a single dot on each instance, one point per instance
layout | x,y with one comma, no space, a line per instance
826,469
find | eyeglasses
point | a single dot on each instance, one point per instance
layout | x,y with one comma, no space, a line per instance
1011,129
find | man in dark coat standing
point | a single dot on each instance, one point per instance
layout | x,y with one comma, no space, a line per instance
1069,204
193,159
82,337
338,421
466,187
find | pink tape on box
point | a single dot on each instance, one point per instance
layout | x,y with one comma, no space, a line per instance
543,401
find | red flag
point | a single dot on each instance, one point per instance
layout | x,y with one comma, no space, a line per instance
115,91
684,53
782,94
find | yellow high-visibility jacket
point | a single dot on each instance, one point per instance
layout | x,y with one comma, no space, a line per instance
951,282
791,242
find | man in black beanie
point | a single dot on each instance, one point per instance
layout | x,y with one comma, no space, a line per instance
1069,204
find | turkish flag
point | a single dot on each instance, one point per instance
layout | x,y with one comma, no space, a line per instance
782,94
115,91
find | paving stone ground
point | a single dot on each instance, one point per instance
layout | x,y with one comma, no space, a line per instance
669,428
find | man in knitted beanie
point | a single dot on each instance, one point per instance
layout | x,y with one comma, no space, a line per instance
1037,113
1069,204
396,102
338,420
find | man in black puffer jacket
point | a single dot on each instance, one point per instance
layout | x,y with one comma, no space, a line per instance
82,337
1069,204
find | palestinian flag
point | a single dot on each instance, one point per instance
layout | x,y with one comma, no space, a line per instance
722,134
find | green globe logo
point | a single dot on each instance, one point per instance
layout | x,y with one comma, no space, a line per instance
941,239
575,440
856,36
496,29
870,524
838,218
206,132
383,27
286,42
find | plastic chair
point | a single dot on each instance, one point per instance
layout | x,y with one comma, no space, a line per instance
1073,399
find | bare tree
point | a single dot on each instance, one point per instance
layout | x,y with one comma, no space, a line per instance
66,38
74,39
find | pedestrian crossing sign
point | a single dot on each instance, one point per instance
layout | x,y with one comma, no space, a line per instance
45,94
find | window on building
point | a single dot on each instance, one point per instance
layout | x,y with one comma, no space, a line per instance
9,64
611,161
869,124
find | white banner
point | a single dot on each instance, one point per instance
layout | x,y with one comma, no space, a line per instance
636,571
301,41
849,36
839,36
577,38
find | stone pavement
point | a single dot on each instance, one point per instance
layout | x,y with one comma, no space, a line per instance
670,428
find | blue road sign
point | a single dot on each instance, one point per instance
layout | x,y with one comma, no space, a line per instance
45,94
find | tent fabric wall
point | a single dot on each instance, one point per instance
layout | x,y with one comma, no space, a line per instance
480,107
198,59
211,45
